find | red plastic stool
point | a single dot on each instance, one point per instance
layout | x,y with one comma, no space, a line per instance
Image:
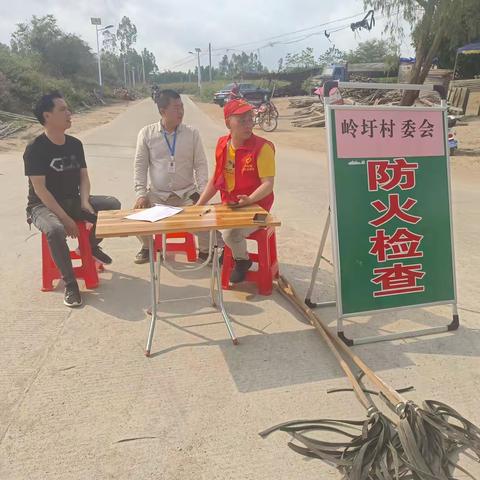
86,271
188,246
266,258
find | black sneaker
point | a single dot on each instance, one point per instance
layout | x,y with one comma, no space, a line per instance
72,296
202,256
240,271
142,256
100,256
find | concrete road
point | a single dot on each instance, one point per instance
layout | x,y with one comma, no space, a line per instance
78,400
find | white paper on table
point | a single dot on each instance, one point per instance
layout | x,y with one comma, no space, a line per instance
153,214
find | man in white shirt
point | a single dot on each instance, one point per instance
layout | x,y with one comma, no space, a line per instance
172,155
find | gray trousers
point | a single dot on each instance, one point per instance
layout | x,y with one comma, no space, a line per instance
49,224
236,239
175,201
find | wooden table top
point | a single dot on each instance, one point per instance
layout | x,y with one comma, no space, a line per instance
112,223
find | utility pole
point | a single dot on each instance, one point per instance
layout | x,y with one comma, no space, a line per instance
98,21
199,71
210,61
198,50
143,69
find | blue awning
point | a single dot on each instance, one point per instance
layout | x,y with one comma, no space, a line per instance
470,49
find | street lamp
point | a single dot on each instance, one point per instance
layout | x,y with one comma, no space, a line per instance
98,21
198,71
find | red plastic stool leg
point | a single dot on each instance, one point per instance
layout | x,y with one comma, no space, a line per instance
227,267
264,274
190,247
89,267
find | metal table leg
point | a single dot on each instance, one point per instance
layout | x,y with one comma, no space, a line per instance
213,280
216,278
153,294
160,258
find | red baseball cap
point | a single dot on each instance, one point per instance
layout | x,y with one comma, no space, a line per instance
236,107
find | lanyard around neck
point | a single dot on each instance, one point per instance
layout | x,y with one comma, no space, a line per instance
171,147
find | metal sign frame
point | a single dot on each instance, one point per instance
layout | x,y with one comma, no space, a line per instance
332,218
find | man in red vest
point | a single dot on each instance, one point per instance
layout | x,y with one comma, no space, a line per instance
244,174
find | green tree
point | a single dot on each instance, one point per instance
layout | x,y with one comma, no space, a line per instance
69,55
150,63
109,42
241,63
223,66
112,69
126,37
280,64
60,54
332,55
36,36
372,51
433,21
300,61
466,66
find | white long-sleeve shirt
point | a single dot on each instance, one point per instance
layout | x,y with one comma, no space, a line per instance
152,158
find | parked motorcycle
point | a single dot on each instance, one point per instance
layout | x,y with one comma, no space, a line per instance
266,116
452,136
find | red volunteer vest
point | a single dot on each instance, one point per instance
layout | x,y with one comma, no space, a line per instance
247,179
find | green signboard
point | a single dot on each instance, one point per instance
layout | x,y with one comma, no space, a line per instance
391,208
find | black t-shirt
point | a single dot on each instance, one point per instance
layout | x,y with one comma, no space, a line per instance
60,164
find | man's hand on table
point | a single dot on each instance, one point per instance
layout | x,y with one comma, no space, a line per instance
142,202
243,201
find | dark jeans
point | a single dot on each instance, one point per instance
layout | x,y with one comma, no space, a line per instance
49,224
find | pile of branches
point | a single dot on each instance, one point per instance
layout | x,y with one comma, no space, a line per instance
311,113
303,102
123,94
367,97
311,116
13,122
9,128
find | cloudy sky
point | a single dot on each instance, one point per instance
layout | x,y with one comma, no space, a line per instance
172,29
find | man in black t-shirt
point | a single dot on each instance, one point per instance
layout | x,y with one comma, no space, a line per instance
59,189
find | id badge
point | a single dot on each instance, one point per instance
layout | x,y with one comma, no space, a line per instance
171,165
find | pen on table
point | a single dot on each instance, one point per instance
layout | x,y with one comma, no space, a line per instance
208,210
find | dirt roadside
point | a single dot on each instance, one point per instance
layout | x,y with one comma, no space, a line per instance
82,121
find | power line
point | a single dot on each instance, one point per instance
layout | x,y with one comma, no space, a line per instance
291,33
184,61
302,38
